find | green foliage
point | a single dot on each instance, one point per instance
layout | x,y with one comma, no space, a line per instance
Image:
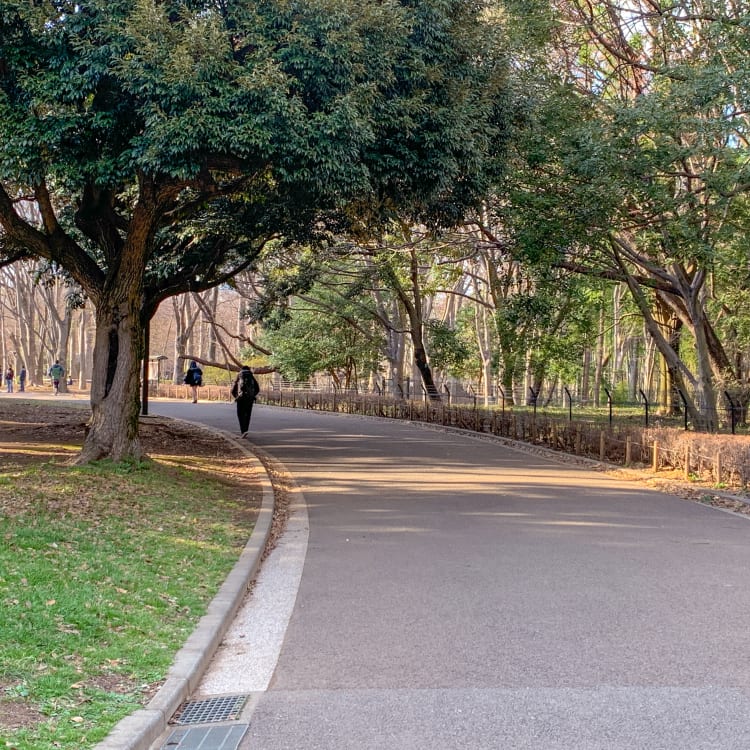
166,145
327,330
448,350
257,116
217,376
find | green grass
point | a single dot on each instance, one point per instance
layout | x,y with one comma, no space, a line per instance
104,572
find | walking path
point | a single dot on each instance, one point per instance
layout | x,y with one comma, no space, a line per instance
442,591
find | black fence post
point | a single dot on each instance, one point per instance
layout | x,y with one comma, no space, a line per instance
731,411
534,395
570,405
684,408
645,403
609,404
445,388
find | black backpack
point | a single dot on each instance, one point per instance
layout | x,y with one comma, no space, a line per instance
248,386
194,376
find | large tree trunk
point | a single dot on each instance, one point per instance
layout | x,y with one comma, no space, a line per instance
413,309
420,360
112,431
681,373
121,312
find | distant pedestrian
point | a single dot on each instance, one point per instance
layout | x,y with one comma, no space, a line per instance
56,373
194,378
22,380
9,376
244,391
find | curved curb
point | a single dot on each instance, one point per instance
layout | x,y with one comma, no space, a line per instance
139,730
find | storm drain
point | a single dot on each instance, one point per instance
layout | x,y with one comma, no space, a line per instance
206,738
226,708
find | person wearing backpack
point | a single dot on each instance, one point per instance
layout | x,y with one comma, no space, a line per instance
194,378
56,373
244,391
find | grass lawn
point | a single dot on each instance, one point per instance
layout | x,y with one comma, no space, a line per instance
105,569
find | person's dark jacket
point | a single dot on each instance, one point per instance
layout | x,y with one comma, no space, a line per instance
194,375
245,386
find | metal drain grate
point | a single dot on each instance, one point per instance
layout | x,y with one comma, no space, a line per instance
225,708
206,738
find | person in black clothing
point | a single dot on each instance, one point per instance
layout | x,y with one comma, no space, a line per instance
244,391
194,378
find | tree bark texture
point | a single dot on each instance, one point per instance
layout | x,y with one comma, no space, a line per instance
112,431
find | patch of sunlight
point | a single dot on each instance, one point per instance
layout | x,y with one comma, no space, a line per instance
380,510
369,530
203,544
594,524
493,513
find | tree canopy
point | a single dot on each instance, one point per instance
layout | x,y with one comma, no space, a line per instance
155,148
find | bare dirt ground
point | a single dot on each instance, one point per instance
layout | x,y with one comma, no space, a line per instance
36,431
24,425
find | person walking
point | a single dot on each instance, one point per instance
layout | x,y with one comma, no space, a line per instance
244,391
9,376
194,378
56,372
22,379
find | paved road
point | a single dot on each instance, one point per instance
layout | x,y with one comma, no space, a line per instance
458,594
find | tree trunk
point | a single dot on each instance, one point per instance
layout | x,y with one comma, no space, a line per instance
681,372
413,309
112,431
185,318
212,299
4,361
705,393
634,362
121,312
507,386
482,330
600,359
82,348
65,324
422,365
585,392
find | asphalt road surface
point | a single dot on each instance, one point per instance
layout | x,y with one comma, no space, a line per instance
459,594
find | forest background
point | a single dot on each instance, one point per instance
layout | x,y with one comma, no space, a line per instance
602,250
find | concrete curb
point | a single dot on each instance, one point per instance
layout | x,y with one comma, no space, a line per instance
142,728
